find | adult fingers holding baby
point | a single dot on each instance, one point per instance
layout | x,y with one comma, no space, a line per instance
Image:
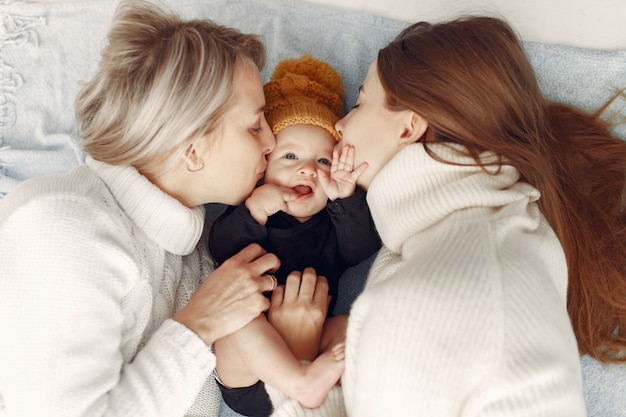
231,296
298,311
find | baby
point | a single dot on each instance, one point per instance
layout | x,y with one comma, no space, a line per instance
310,213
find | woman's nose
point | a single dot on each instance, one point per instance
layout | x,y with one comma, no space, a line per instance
339,127
268,142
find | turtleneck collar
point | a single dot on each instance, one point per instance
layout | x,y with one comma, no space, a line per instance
414,191
164,219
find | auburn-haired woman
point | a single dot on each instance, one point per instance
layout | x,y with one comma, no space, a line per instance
499,213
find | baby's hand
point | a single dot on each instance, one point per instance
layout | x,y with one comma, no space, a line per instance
268,199
341,182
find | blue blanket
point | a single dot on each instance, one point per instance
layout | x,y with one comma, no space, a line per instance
46,49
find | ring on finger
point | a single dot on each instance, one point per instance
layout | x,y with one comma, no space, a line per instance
274,282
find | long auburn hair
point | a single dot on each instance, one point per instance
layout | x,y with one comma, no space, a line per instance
472,81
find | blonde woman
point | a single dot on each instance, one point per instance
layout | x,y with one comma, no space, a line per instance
101,311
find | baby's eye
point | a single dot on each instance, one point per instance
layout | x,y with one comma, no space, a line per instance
323,161
290,155
257,130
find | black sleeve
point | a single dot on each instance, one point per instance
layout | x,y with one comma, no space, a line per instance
356,235
233,231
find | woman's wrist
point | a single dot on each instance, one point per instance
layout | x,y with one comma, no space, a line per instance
201,329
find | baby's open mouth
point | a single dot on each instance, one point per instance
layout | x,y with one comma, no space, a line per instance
303,189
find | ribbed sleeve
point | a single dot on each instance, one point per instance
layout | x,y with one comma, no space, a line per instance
88,284
464,310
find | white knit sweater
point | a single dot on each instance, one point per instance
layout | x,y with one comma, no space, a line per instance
92,268
464,310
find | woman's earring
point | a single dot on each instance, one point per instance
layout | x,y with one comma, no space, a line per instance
200,164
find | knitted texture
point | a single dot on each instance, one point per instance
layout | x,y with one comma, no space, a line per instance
304,91
288,407
464,310
463,313
88,285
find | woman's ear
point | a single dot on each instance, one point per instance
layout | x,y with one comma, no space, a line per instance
192,161
415,126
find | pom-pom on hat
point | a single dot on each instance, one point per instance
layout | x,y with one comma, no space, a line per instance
304,91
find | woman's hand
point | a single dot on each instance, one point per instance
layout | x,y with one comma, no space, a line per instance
298,312
231,296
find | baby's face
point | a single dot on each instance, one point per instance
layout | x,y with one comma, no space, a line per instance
301,150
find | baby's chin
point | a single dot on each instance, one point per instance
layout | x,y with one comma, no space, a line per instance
303,212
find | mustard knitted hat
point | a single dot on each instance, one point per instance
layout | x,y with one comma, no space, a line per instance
304,91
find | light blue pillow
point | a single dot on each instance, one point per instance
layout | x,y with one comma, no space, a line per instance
48,48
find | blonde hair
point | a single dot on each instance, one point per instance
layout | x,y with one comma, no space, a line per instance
161,83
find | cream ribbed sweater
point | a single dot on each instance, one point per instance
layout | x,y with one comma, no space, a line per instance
464,310
92,267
